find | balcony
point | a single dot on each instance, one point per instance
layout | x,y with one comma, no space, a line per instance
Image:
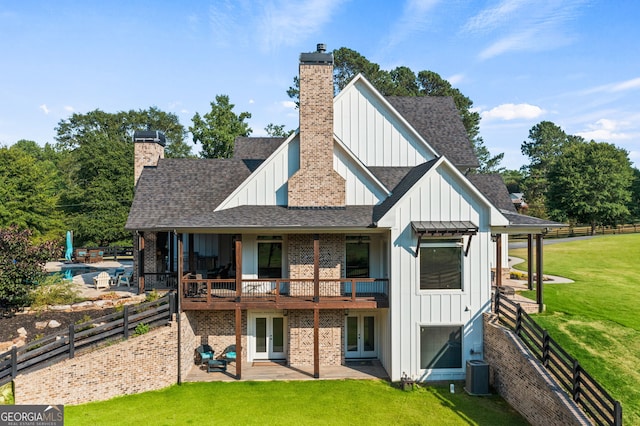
281,293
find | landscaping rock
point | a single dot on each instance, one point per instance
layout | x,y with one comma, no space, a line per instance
54,324
40,325
60,307
22,332
82,305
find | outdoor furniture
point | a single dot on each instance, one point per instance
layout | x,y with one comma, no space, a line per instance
103,279
95,256
204,353
81,255
116,276
125,279
229,354
216,365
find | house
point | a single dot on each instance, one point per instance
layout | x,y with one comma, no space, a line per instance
360,236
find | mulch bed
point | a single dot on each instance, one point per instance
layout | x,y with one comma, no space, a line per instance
9,325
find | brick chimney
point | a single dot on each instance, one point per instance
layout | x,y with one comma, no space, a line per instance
148,148
316,183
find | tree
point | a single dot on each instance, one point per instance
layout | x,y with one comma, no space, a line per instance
546,142
21,265
29,190
513,180
634,206
277,131
96,163
589,182
218,129
402,81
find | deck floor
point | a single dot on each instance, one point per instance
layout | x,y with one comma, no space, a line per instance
260,371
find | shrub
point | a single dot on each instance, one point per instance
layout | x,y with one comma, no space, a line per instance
6,394
153,295
53,290
141,329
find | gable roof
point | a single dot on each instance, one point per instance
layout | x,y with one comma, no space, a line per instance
390,176
493,187
432,117
255,148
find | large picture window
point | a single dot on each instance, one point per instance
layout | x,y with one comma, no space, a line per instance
441,265
269,257
440,347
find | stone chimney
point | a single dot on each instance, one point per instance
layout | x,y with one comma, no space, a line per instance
148,148
316,183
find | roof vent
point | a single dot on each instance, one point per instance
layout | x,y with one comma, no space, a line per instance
321,47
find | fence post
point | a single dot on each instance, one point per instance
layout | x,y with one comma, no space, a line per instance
14,361
125,323
617,414
545,348
72,339
575,381
518,320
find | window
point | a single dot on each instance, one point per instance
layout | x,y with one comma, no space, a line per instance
441,265
357,254
440,347
269,258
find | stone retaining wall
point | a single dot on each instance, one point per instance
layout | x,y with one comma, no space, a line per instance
139,364
523,381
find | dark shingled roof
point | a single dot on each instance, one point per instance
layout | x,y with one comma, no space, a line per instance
516,219
492,186
390,176
248,148
405,184
437,120
186,187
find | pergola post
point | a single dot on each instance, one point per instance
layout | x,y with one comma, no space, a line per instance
498,260
539,273
530,261
238,310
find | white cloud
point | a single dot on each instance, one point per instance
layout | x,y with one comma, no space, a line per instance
513,112
44,109
69,108
519,25
415,16
621,86
456,79
288,104
606,130
251,101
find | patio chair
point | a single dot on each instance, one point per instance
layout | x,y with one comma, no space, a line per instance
229,354
125,279
116,276
102,280
204,353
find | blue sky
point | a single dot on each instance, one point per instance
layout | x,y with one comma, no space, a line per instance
573,62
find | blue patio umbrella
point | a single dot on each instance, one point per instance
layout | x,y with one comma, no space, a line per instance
69,252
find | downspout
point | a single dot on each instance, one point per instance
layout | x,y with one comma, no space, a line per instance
179,308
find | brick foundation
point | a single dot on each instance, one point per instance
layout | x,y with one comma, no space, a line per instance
523,382
140,364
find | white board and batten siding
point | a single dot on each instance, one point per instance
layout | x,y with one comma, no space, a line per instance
439,196
373,132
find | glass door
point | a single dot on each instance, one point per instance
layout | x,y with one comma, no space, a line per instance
269,337
360,336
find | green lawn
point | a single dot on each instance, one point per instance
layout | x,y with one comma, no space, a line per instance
335,402
597,318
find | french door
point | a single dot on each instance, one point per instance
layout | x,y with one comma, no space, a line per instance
360,336
269,337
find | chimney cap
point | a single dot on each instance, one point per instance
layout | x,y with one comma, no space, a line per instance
149,136
318,57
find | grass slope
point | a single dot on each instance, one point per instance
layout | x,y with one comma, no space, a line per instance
343,402
597,318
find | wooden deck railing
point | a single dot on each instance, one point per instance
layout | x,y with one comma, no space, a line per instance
281,288
584,389
65,344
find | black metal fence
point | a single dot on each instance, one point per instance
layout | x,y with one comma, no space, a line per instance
584,389
133,319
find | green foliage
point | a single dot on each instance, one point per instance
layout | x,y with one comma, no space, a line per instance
589,183
21,266
29,187
218,129
370,402
277,130
513,179
54,290
402,81
634,205
6,394
152,296
141,329
596,318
